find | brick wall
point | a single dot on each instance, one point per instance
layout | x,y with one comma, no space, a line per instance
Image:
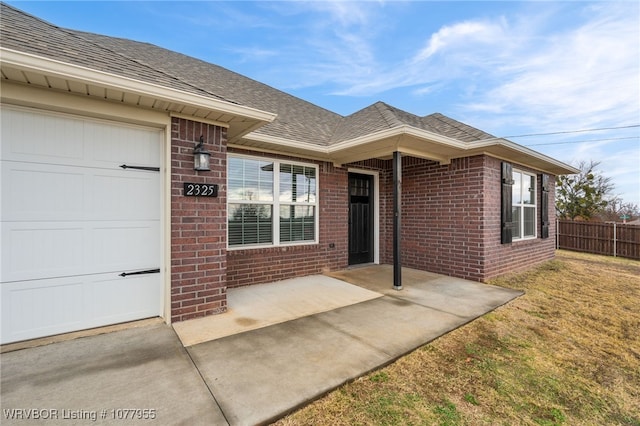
441,216
451,225
198,224
267,264
503,258
451,220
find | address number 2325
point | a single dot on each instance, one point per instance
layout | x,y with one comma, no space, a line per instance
200,190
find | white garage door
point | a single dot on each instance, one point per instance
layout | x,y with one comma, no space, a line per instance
73,221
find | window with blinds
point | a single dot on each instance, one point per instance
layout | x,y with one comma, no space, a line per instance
271,202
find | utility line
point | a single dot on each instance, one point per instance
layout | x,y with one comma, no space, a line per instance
572,131
584,141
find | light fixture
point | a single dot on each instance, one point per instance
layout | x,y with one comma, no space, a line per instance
201,157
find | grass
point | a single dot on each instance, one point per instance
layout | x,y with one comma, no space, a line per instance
565,353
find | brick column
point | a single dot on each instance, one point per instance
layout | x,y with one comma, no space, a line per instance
198,224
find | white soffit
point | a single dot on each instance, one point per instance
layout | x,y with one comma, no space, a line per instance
44,72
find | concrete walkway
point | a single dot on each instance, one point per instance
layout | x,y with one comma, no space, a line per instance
253,307
252,377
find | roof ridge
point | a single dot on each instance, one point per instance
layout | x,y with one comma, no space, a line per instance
388,114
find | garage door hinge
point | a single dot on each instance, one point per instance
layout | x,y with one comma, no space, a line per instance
148,271
151,169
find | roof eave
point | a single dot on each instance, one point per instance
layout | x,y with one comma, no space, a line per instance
172,100
410,141
497,147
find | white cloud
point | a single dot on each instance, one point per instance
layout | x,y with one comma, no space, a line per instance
454,52
564,66
582,77
345,13
463,35
253,53
517,66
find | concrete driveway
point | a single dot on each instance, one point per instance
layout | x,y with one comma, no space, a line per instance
146,375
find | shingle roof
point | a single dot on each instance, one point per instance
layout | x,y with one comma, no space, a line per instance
297,120
25,33
380,116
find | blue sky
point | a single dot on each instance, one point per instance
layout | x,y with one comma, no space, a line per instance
508,68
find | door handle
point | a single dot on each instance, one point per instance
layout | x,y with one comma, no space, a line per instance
147,271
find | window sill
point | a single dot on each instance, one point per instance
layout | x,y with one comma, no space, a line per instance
519,240
271,246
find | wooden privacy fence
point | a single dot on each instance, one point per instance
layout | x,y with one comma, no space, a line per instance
611,239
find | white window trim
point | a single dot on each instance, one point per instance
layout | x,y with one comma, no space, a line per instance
275,216
522,205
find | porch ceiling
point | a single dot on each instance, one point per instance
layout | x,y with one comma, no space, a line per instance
37,71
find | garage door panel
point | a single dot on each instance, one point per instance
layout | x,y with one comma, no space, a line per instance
33,192
33,250
36,250
125,246
40,308
61,139
129,145
54,192
112,298
135,197
41,137
45,307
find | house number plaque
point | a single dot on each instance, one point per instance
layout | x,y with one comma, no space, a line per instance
200,190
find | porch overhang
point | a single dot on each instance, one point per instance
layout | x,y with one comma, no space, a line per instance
50,74
410,141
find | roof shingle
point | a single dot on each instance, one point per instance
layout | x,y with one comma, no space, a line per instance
297,119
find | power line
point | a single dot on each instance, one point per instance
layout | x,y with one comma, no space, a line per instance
573,131
585,141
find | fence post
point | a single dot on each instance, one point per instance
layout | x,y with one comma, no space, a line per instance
615,240
557,233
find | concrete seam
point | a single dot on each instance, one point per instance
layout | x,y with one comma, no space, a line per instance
195,365
425,306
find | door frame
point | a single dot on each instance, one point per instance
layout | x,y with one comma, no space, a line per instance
376,208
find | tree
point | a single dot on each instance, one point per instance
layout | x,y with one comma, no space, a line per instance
618,210
583,195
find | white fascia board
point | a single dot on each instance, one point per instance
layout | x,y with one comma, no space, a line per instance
86,75
394,132
488,143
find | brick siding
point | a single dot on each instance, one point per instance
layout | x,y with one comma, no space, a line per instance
450,224
198,224
451,219
267,264
519,255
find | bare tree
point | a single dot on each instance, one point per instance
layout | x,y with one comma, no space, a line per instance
618,210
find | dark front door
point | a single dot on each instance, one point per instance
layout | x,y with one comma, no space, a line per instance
360,218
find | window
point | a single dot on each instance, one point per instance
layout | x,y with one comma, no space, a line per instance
524,205
269,208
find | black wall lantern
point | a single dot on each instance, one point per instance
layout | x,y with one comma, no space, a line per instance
201,157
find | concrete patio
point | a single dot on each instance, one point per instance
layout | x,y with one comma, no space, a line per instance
245,367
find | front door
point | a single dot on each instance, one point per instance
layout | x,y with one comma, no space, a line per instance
360,218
